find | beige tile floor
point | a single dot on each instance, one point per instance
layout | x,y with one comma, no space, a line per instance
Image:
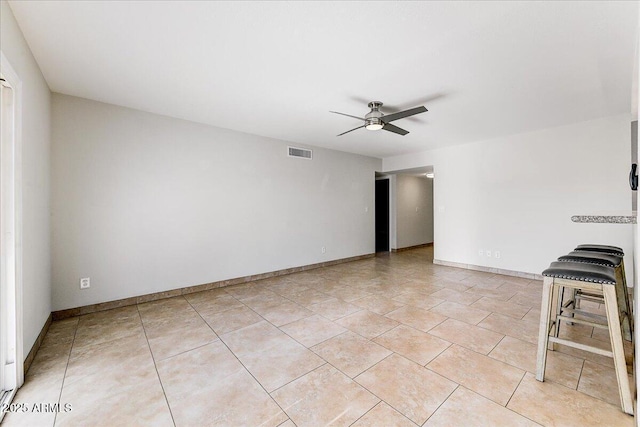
389,341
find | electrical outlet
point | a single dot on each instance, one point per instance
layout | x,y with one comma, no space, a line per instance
366,208
324,250
496,254
489,254
85,283
481,252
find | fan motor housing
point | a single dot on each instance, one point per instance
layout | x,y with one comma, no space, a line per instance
373,118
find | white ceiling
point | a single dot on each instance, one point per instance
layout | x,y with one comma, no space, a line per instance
483,69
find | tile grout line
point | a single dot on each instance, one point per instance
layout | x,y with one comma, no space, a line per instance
524,374
524,371
513,394
528,311
187,351
314,314
288,299
75,332
378,404
444,401
580,376
498,360
588,395
381,399
321,342
240,361
496,332
155,366
314,369
438,355
396,409
370,409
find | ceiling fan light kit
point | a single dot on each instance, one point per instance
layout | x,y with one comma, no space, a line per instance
372,118
376,120
374,124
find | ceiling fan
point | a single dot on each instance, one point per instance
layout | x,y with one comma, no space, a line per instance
376,120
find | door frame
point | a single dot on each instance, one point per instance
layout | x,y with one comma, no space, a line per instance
11,324
389,208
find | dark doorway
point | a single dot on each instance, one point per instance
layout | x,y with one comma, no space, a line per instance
382,215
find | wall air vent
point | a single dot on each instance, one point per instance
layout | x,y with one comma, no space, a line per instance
300,152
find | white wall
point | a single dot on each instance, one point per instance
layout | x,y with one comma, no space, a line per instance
414,211
145,203
517,194
36,140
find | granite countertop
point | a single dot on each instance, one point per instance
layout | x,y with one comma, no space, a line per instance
608,218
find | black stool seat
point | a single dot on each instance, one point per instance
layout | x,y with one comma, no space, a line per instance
581,272
596,258
614,250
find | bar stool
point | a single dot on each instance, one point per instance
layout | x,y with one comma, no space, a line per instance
622,292
590,277
606,249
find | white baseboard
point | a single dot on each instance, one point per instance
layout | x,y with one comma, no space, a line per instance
531,276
